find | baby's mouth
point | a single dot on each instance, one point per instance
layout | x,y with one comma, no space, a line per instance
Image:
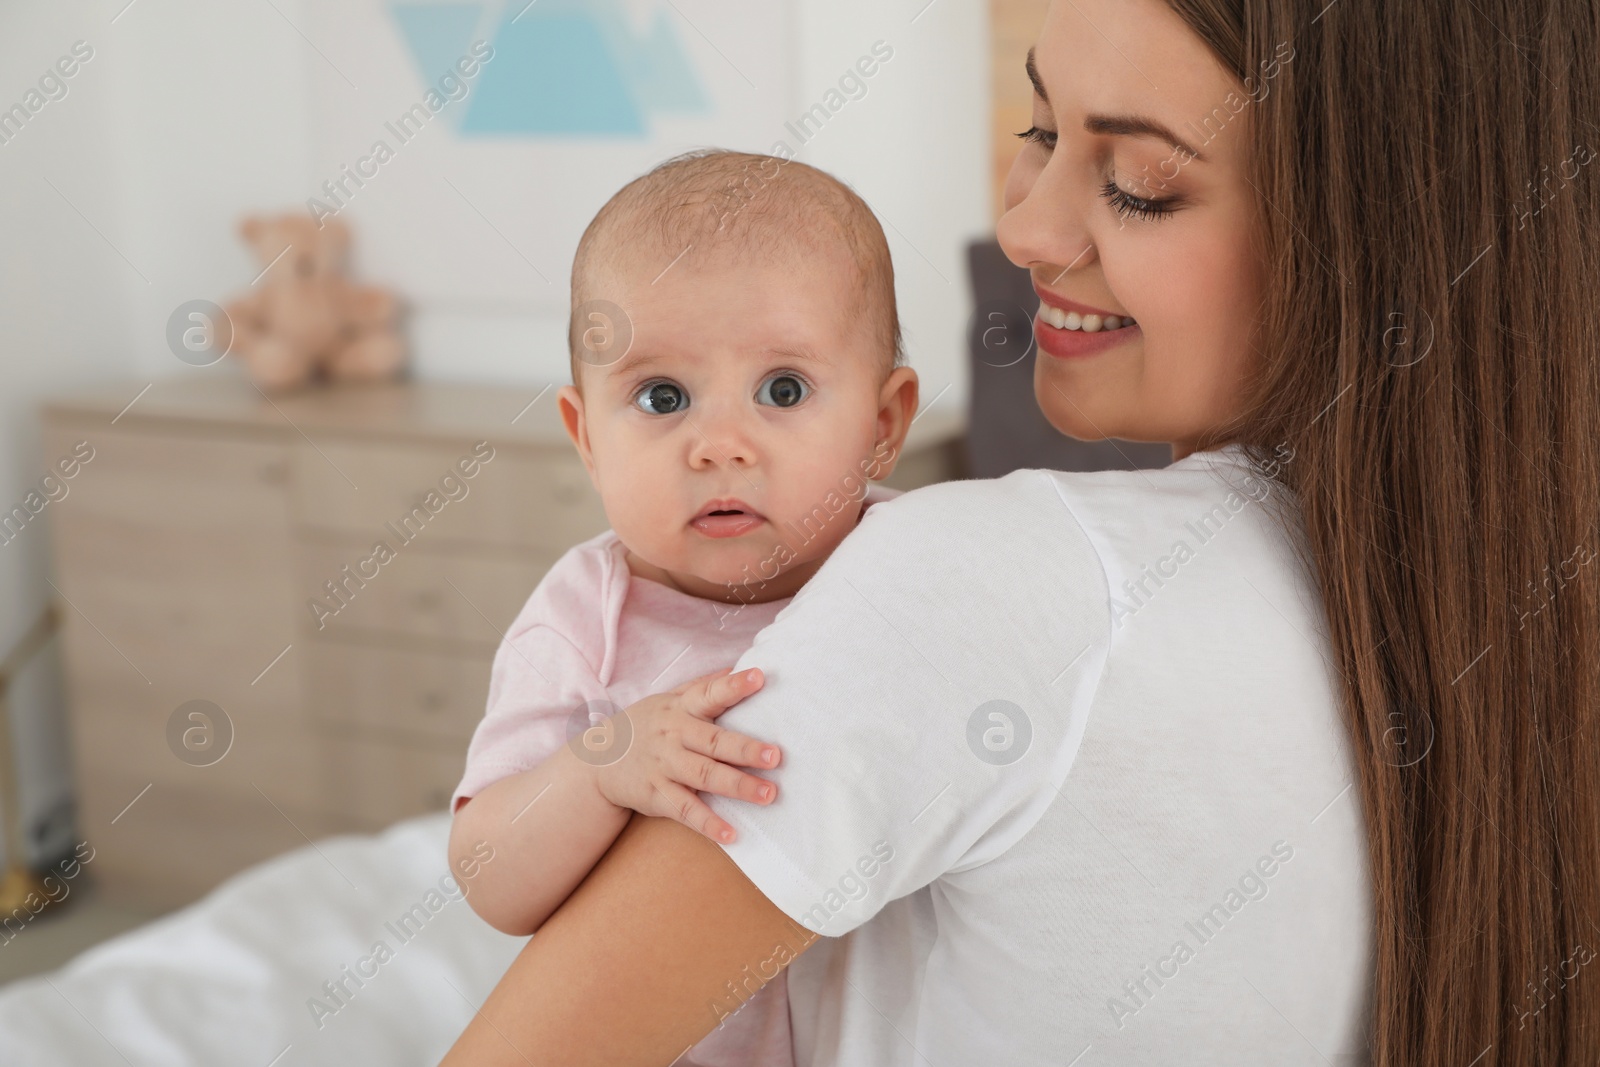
727,518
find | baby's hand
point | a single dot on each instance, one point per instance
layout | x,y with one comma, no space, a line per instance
675,749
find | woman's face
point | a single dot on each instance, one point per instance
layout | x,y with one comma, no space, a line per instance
1120,221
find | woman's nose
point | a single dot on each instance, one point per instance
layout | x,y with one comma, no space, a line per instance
1046,229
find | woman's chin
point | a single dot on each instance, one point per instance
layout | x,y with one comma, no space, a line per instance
1074,421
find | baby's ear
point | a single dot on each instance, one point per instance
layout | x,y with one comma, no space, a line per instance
897,406
575,418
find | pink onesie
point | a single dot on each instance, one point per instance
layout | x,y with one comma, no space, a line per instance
593,631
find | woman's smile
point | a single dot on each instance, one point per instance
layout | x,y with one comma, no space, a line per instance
1068,335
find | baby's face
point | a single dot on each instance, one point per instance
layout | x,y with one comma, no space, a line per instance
747,390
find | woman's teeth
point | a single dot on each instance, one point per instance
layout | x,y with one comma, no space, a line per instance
1071,320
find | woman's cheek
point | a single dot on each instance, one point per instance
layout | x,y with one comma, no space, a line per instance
1019,179
1229,306
1140,274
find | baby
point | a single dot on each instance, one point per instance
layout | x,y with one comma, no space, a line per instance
737,384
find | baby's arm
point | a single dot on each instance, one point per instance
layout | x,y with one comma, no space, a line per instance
547,827
550,825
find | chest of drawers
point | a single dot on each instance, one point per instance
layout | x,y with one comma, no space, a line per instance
281,614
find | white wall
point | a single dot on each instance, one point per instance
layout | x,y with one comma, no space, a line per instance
212,115
65,315
194,112
916,148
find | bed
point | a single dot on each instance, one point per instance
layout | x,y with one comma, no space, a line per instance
238,976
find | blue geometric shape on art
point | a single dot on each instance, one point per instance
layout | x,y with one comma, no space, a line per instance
555,71
659,70
437,34
560,67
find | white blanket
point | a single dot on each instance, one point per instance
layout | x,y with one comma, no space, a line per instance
238,977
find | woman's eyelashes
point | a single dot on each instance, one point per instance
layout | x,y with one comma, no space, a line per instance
783,389
1123,202
1035,135
1127,204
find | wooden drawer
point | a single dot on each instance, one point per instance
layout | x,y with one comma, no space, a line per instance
173,556
169,619
521,499
166,830
187,485
380,780
448,596
178,842
123,725
423,694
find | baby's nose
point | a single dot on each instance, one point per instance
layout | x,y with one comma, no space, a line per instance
720,439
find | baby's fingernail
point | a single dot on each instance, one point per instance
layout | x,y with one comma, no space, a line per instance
726,835
769,755
766,792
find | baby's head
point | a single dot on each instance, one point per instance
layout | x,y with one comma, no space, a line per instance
735,348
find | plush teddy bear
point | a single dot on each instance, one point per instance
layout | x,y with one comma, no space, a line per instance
302,319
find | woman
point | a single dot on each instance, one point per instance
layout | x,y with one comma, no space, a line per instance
1316,786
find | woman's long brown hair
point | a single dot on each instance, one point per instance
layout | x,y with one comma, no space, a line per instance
1430,216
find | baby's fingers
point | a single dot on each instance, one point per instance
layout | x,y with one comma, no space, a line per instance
713,694
702,680
729,746
709,776
686,807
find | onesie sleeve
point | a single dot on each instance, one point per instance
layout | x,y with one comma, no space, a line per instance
929,687
547,672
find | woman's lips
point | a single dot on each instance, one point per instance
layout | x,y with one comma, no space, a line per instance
1070,344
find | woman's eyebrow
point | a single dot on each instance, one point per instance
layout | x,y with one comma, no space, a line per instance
1118,125
1139,126
1033,76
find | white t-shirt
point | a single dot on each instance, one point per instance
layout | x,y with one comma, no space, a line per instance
1072,743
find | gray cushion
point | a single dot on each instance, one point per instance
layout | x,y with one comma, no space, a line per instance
1007,431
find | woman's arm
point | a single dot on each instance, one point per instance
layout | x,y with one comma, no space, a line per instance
664,937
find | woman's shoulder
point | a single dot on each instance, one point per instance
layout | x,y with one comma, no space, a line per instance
971,528
1084,528
1006,538
931,516
980,505
966,500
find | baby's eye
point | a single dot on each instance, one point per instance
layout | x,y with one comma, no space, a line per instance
786,390
661,398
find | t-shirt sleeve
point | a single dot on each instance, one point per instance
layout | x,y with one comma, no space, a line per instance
929,687
539,682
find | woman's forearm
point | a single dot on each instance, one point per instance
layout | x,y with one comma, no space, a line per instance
548,826
665,937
